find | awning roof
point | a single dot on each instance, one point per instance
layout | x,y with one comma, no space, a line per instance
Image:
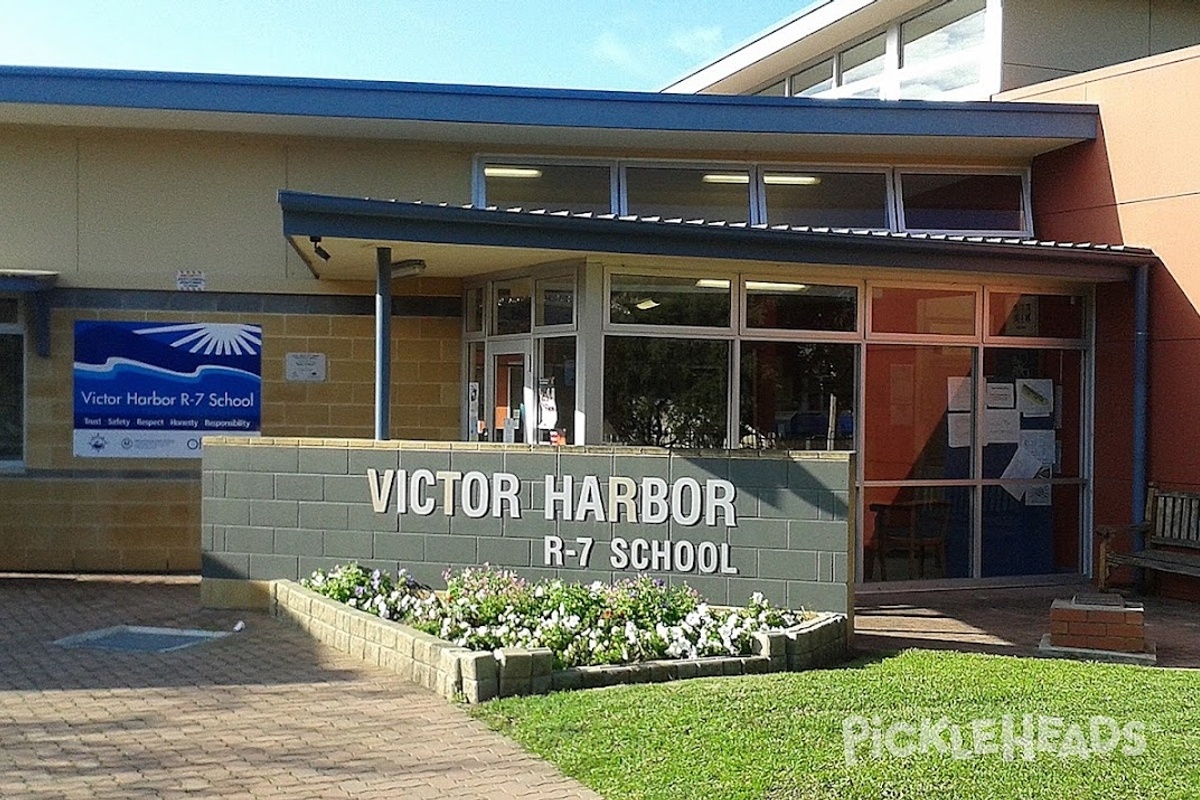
463,240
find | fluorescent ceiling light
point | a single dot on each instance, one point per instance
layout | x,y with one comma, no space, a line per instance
647,304
726,177
770,286
778,179
498,171
712,283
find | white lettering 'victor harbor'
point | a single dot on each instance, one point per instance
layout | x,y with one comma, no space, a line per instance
651,500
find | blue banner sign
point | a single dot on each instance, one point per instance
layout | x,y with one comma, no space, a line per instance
152,390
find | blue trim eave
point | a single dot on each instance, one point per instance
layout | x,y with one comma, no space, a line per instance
644,111
306,214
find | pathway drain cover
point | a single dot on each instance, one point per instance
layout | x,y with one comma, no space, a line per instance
137,639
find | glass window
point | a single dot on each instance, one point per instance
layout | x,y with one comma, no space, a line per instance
1051,315
1033,406
666,392
474,310
556,391
829,199
801,306
1030,535
513,307
10,311
476,423
917,422
660,300
814,80
554,187
12,396
556,301
963,202
942,49
934,311
863,64
709,194
778,89
916,532
797,396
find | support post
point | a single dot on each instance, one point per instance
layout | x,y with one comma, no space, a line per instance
1141,357
383,341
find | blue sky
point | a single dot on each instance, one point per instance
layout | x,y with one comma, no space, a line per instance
604,44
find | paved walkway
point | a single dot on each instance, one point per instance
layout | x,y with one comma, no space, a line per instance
265,713
1008,621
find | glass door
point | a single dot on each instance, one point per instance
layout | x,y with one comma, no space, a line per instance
509,393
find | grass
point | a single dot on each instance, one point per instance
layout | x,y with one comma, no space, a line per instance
781,736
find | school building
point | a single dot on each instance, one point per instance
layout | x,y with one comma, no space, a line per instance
950,238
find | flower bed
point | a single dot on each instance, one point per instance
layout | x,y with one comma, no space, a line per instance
628,622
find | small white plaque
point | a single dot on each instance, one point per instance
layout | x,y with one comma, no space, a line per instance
305,367
189,280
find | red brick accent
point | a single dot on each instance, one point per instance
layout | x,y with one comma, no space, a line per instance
1069,614
1116,628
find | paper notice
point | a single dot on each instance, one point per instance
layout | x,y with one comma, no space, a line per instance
1038,495
958,394
1035,397
1039,444
1000,395
1023,466
958,428
1001,426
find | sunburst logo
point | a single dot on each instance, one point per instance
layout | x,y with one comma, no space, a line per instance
213,338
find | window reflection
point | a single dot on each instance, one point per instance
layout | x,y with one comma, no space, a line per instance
554,187
709,194
963,202
827,199
513,308
784,305
797,395
659,300
1049,315
932,311
666,392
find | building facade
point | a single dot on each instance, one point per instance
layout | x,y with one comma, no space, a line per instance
559,269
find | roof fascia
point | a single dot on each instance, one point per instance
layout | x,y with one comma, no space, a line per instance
353,218
579,109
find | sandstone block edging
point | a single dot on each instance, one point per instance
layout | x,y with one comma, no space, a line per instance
457,673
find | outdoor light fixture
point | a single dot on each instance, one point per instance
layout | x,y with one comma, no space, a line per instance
499,171
777,179
407,268
647,304
726,177
320,251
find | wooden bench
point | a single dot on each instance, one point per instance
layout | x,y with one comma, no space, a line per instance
1172,531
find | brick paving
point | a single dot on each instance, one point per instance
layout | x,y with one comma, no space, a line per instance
264,713
1007,621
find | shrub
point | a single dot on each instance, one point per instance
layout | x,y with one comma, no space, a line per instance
486,608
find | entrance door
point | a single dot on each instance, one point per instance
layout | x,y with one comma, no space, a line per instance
510,393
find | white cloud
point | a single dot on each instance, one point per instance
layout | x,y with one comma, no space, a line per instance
698,42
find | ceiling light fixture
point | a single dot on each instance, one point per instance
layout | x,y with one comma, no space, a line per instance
501,171
771,286
407,267
712,283
779,179
647,304
726,177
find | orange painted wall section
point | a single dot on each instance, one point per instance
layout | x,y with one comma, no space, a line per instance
1138,185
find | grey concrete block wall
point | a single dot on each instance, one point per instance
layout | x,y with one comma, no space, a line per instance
279,508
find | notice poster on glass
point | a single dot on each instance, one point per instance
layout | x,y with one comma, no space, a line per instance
152,390
999,395
1001,426
1041,445
1038,495
1035,397
547,407
958,430
958,394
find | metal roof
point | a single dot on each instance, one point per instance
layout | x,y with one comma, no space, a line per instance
392,222
500,115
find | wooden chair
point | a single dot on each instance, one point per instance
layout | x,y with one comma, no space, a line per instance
913,528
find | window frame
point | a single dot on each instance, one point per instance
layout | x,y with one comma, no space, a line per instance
19,329
1026,211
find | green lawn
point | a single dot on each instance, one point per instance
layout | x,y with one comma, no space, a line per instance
781,736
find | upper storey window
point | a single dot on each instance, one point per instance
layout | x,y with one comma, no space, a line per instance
941,53
957,202
554,187
711,194
942,50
